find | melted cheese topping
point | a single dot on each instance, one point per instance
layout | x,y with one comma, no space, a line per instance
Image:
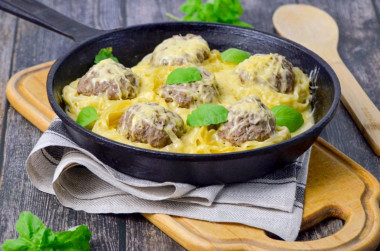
264,69
151,114
179,50
107,71
248,105
200,92
196,139
248,119
112,76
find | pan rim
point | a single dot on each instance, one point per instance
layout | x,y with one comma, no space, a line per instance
191,156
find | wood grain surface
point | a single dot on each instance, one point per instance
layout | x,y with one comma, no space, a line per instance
23,45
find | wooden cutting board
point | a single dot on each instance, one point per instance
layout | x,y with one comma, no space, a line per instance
336,187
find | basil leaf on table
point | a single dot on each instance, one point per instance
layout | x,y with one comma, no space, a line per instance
190,6
228,10
207,114
234,55
17,244
219,11
87,115
35,236
204,13
75,239
184,75
288,116
29,226
104,54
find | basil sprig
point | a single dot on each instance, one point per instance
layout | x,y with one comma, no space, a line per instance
234,55
218,11
104,54
184,75
87,115
35,236
288,116
207,114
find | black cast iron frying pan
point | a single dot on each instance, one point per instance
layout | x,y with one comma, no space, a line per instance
130,45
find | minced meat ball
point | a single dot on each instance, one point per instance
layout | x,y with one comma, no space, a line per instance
151,123
111,79
268,69
191,94
181,50
248,119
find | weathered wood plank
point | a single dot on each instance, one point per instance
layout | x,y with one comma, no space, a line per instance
7,39
377,9
141,12
261,12
7,31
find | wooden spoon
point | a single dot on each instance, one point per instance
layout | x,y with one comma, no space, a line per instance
318,31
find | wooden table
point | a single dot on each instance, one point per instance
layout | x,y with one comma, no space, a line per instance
23,44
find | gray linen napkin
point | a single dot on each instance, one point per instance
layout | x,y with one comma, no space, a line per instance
80,181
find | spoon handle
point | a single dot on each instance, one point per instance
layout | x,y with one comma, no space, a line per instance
358,104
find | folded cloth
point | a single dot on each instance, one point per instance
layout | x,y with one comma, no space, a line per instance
80,181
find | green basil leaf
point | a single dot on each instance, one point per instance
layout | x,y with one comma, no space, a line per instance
29,226
207,114
104,54
17,245
220,11
47,239
234,55
190,6
196,11
184,75
288,116
35,236
228,10
87,115
77,238
206,13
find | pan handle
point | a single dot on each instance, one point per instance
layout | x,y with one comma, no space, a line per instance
44,16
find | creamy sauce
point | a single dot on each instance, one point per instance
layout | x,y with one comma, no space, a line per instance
196,139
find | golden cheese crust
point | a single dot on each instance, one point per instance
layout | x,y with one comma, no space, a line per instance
180,50
248,119
193,94
271,70
111,79
151,123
